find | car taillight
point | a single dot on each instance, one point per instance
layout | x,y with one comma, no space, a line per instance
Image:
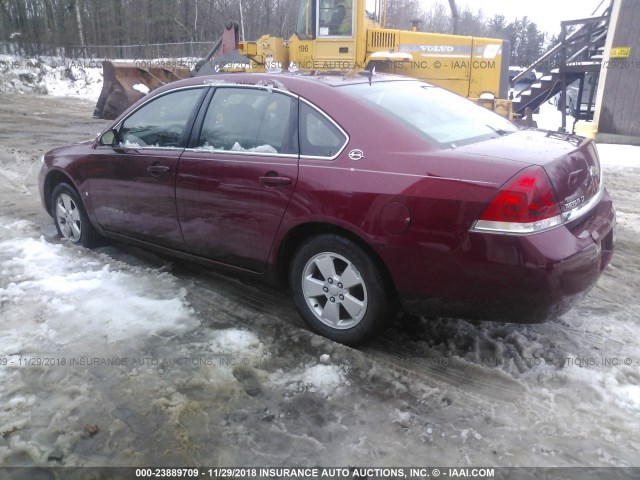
526,204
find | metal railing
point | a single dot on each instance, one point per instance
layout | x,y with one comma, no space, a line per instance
575,53
125,52
569,41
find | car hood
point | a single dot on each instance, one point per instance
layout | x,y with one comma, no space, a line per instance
76,148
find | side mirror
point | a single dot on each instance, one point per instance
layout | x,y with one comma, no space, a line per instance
109,138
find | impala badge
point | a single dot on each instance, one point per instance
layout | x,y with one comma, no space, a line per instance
574,203
356,154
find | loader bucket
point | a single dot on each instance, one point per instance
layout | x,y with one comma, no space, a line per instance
120,78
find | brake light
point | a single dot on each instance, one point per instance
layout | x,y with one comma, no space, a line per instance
526,204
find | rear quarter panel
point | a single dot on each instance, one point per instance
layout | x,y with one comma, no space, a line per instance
443,193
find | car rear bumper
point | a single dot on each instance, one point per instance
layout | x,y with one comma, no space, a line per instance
527,278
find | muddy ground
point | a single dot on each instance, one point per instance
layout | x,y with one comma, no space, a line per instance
254,386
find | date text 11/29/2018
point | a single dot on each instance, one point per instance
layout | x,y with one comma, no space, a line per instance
311,472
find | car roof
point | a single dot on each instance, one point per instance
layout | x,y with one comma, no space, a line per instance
296,82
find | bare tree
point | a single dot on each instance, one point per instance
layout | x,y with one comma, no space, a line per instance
79,19
43,26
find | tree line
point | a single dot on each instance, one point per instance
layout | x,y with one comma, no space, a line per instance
38,26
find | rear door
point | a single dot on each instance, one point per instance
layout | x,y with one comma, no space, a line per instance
237,176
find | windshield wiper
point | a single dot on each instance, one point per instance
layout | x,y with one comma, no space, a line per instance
500,131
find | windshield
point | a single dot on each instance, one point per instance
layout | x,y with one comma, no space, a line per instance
305,20
445,119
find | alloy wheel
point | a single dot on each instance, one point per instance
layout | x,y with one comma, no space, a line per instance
334,290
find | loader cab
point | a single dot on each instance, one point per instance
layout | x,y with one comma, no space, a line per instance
330,35
326,18
335,18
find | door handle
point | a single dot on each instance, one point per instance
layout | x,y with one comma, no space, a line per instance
157,170
273,180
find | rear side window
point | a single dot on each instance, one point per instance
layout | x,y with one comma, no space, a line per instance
250,120
162,121
319,137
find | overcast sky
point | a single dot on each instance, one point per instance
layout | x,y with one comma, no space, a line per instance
546,13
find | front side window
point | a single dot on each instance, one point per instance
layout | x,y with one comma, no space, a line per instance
319,137
250,120
162,121
445,119
335,18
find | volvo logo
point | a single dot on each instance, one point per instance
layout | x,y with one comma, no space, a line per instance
437,48
356,154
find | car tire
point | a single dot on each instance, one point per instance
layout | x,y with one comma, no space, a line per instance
338,289
70,217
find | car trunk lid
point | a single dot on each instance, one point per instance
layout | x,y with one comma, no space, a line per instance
571,162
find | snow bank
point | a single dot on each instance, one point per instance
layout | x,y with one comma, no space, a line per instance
80,78
77,299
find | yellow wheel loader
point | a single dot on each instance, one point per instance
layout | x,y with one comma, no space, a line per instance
335,35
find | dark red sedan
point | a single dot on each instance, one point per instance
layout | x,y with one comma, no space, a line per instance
362,195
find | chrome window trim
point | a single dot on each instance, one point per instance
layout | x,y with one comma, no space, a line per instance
240,152
250,86
331,120
148,147
268,88
315,157
155,97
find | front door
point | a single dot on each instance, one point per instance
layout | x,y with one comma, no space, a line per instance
151,141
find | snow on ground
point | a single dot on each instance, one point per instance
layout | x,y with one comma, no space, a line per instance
550,118
326,379
619,162
119,346
77,295
60,305
176,365
620,157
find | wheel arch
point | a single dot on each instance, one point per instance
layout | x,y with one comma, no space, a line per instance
298,235
51,181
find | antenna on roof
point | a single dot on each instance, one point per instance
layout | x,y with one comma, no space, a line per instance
368,72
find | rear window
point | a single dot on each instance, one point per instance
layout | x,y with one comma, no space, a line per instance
445,119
